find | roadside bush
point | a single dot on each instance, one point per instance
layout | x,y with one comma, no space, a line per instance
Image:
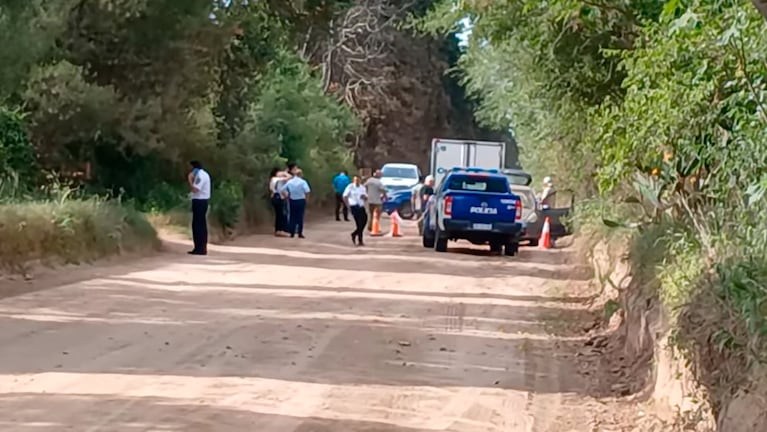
226,205
17,156
165,197
70,231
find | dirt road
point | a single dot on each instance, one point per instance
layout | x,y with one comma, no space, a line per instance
281,335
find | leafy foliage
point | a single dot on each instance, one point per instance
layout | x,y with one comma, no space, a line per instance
17,157
120,94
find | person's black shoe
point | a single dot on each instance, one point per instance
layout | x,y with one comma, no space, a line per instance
354,238
338,219
301,236
193,252
346,219
360,244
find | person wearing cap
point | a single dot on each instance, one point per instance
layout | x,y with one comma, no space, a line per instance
548,196
420,198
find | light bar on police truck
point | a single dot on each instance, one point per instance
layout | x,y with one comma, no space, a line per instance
474,170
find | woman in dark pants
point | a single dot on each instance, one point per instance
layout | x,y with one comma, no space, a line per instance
278,204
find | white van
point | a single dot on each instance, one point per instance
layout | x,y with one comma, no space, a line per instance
398,176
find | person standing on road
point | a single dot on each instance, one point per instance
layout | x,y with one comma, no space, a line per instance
548,196
276,179
340,182
376,196
296,191
199,185
355,197
290,172
416,197
423,193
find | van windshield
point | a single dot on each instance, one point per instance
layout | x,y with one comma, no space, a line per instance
472,183
400,172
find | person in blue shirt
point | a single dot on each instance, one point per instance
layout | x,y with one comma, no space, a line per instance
296,191
340,182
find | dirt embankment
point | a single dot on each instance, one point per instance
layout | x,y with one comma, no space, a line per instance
638,359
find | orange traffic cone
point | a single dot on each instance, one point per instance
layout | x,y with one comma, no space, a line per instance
545,241
376,226
395,231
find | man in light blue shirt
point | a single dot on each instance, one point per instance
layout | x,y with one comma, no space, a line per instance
296,191
340,181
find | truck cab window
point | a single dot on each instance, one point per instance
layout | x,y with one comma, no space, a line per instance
477,184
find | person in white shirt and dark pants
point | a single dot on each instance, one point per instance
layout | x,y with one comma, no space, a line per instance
276,180
355,196
199,183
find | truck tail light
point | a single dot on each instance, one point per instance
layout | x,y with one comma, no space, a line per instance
448,206
518,210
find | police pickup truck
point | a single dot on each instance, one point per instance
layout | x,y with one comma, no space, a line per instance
476,205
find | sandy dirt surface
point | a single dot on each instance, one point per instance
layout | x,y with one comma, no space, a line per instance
289,335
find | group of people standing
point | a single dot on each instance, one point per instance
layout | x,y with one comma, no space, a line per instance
355,197
289,193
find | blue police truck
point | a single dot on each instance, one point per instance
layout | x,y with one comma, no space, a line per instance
477,205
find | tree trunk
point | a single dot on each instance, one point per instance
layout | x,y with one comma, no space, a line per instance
761,6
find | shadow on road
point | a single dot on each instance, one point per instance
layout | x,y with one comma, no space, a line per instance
445,264
52,413
265,330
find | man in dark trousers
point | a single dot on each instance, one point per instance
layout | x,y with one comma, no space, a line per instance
199,184
340,182
296,190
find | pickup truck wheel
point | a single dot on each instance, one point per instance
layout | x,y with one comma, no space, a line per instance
406,211
533,243
511,249
440,241
496,247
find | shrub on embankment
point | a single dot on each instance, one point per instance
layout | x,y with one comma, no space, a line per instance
693,299
69,231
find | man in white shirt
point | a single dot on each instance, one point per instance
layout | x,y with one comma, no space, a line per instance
199,184
296,190
355,197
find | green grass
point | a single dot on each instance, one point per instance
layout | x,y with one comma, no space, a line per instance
70,231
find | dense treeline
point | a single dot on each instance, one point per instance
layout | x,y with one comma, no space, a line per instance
102,104
653,111
110,99
123,93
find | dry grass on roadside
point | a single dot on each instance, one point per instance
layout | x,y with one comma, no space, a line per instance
176,221
69,231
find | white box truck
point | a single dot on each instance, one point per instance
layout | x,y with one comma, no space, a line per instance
451,153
